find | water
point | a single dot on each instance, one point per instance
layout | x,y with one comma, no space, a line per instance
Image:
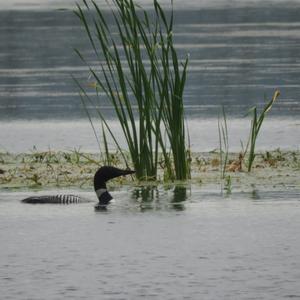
179,243
19,136
239,52
206,247
237,55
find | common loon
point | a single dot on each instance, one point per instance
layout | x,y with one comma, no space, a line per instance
104,174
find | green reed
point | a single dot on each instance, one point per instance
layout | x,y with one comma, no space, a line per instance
256,123
223,143
139,68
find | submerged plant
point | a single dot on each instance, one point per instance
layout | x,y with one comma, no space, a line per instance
256,123
140,73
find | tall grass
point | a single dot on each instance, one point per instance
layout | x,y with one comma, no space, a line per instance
139,67
257,120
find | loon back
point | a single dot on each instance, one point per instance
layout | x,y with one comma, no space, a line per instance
55,199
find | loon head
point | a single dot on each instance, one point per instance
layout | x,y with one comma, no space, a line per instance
104,174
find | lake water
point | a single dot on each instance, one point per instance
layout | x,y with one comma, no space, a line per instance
177,243
203,247
240,52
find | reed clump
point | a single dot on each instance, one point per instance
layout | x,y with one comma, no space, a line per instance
139,72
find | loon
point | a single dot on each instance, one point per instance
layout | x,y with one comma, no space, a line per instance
103,174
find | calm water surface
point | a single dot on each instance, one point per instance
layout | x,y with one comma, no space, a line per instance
19,136
165,244
240,51
206,247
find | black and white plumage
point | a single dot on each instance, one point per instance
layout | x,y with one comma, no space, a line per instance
104,174
58,199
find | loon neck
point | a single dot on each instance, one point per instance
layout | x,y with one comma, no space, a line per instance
104,196
104,174
100,192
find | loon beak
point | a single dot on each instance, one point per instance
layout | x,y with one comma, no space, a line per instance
119,172
125,172
106,173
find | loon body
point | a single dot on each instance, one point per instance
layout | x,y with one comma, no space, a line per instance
61,199
104,174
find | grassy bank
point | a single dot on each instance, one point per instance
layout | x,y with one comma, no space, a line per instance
75,169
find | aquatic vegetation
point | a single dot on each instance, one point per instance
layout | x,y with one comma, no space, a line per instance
1,158
257,120
228,185
35,178
140,73
201,163
295,160
223,143
21,170
236,165
268,157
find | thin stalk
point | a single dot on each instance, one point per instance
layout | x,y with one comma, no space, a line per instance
256,123
223,143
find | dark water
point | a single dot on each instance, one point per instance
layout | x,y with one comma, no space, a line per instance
151,245
239,52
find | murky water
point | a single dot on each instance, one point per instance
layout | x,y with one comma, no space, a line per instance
206,247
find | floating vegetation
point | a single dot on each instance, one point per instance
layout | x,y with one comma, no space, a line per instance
77,169
140,73
47,168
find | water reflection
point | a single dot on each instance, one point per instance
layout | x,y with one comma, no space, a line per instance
156,198
179,197
147,197
254,194
100,208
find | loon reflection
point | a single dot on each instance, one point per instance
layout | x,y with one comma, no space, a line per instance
103,175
